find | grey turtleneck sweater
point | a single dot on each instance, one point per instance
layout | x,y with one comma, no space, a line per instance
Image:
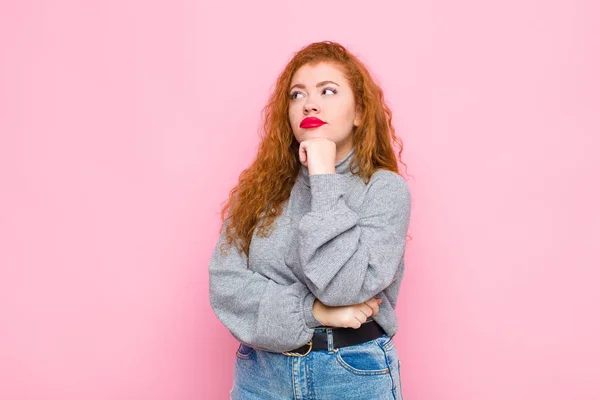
338,239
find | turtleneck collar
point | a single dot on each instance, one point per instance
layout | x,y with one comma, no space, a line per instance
342,167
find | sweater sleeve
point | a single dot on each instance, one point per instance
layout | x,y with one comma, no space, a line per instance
256,310
350,256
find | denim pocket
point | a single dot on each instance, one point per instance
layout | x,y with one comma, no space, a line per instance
245,352
369,358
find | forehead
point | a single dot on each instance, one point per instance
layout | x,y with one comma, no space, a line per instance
310,74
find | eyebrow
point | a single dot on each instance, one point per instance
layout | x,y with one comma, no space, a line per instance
302,86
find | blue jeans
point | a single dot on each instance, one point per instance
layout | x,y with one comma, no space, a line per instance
369,371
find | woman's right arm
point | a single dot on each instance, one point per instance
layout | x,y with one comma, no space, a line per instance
268,315
257,310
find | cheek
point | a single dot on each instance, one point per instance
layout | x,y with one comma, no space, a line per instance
351,114
346,116
293,118
292,113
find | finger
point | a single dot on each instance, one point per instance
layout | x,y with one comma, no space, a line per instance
356,323
372,300
361,317
366,309
378,302
302,153
375,312
373,305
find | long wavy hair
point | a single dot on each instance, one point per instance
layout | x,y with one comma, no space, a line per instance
263,187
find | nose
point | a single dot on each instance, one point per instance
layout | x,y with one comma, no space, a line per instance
309,106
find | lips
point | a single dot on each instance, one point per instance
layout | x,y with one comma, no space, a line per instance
311,122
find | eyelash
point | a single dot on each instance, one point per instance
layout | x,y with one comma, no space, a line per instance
324,89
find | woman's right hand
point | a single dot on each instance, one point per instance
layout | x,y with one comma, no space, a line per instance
352,316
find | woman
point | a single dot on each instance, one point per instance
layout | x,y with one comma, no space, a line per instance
318,225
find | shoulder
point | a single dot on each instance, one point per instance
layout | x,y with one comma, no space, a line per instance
386,195
388,184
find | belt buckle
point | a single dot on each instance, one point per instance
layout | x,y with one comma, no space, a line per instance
291,353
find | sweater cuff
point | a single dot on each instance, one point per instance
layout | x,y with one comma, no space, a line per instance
326,190
309,317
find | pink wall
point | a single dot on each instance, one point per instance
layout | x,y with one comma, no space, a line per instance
124,124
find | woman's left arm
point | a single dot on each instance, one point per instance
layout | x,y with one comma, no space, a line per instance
348,256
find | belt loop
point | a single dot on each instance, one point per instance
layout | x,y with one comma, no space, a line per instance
329,340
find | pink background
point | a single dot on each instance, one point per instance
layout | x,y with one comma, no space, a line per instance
125,123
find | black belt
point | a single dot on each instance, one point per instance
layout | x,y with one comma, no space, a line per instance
342,337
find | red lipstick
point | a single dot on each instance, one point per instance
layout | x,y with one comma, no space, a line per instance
311,122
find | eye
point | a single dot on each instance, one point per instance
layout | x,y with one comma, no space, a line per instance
293,94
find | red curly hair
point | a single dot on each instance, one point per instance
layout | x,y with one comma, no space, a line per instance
263,187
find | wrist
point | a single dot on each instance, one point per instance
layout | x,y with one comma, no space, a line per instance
321,170
319,311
